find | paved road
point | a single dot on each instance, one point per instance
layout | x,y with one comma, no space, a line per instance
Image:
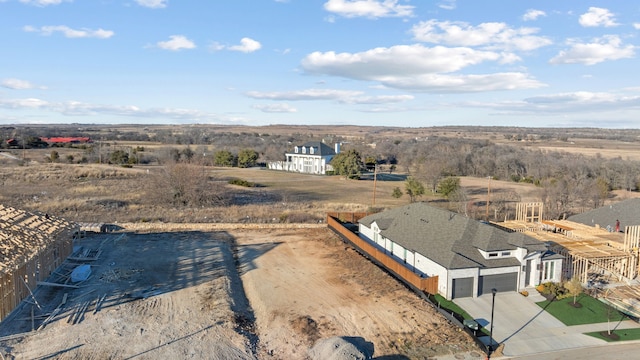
526,329
617,351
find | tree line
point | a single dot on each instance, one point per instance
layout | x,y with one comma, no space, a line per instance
567,181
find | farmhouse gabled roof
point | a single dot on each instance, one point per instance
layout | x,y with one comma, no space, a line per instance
627,211
320,148
447,238
24,233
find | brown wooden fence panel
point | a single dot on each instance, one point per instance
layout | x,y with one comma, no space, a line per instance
428,285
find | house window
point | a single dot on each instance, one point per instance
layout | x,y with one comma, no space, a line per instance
506,253
312,150
296,150
492,255
304,150
548,272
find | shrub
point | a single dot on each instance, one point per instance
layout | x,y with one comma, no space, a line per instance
241,182
558,291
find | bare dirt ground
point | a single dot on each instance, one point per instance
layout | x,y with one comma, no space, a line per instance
237,294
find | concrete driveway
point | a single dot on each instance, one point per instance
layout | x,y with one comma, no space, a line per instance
525,328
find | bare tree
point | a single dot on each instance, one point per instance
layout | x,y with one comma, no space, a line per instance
185,185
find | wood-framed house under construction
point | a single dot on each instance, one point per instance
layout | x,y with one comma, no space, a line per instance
32,246
588,250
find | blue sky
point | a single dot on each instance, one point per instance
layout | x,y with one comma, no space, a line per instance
356,62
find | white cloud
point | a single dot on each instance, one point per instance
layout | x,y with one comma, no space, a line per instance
636,26
381,99
216,46
341,96
43,2
447,4
17,84
29,103
439,83
600,49
77,108
418,68
309,94
69,32
570,109
247,45
154,4
581,97
400,60
597,17
275,108
176,43
533,14
368,8
573,102
489,35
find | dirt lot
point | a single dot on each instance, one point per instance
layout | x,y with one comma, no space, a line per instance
237,294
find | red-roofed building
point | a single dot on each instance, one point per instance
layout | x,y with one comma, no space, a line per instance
66,140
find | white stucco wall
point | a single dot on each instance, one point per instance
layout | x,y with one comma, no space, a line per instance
428,267
365,232
500,270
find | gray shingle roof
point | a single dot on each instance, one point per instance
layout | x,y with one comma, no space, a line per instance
447,238
321,149
627,211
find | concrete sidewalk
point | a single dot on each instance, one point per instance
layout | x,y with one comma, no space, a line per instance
525,328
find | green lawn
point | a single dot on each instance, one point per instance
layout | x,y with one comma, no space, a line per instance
451,306
592,311
623,335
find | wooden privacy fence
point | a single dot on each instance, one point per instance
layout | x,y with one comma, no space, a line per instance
428,285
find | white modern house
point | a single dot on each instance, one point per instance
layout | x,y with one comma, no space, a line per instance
469,257
310,158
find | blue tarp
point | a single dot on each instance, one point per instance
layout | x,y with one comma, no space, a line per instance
81,273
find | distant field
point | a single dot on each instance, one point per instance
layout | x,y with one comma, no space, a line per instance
630,153
91,191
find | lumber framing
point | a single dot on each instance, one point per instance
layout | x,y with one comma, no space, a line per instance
587,250
529,212
32,246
